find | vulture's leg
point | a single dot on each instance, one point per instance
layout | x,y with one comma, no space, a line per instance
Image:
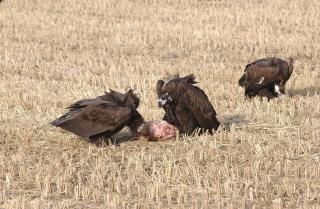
249,93
254,89
98,140
93,139
102,138
113,141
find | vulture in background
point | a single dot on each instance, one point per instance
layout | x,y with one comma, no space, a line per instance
186,106
103,116
266,77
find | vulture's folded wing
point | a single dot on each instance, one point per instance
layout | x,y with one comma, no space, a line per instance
94,119
86,102
265,62
111,98
198,103
258,78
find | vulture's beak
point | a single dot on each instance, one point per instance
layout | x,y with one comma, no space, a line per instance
164,100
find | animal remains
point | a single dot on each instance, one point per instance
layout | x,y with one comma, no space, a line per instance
266,77
158,130
186,106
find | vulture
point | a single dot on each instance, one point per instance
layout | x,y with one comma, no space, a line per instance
102,116
186,106
266,77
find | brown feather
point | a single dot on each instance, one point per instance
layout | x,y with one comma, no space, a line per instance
95,119
200,106
262,75
102,116
190,107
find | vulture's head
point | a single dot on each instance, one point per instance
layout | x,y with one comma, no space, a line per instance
167,90
131,99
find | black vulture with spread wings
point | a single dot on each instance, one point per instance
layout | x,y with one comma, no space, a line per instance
186,106
266,77
102,116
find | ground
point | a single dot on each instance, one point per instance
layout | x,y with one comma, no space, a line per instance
55,52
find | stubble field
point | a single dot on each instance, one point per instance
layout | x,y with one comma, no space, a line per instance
53,53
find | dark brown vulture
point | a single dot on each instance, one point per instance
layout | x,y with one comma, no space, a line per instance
266,77
103,116
186,106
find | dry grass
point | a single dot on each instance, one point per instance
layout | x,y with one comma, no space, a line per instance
57,51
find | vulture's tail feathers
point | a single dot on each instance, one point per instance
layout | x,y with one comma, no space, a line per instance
57,122
190,79
60,121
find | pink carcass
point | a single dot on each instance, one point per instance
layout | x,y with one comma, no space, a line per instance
158,130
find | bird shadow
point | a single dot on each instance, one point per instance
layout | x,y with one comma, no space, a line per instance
307,91
231,120
115,140
123,136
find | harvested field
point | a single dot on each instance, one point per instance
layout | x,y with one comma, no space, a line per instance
53,53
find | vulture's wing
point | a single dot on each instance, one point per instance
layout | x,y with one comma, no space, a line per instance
258,77
190,79
185,120
265,62
198,103
260,64
85,102
94,119
113,96
169,115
